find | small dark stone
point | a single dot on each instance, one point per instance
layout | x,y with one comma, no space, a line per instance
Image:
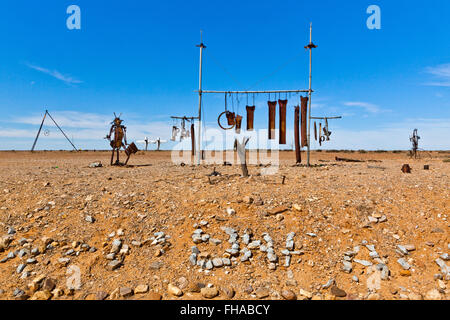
125,292
338,292
49,284
248,289
101,295
228,291
406,168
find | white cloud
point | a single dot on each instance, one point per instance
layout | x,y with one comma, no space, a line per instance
369,107
441,73
88,129
56,74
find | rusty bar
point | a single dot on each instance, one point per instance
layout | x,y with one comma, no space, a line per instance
238,123
250,117
272,115
282,104
193,138
298,151
304,110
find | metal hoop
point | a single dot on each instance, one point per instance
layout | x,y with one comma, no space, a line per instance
220,125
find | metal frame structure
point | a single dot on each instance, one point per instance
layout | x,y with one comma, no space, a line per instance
310,46
40,128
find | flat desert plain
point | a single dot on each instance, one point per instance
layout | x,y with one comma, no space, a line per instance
158,230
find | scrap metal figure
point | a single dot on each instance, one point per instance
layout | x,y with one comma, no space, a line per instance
120,133
415,143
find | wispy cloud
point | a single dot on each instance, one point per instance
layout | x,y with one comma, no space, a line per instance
441,73
369,107
55,74
88,129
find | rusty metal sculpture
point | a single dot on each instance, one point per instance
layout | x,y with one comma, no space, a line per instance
272,114
238,121
250,117
282,135
120,133
415,143
304,113
298,155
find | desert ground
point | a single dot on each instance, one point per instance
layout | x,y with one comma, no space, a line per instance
159,230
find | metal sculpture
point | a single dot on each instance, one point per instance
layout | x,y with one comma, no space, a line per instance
119,140
272,115
282,135
415,143
47,132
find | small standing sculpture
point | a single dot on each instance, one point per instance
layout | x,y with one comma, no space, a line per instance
415,143
120,133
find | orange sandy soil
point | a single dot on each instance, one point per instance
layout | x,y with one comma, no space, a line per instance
46,196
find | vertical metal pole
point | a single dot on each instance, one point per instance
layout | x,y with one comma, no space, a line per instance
199,151
39,131
310,94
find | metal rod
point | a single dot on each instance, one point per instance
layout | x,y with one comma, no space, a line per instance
39,131
199,151
324,118
257,91
184,118
62,131
310,46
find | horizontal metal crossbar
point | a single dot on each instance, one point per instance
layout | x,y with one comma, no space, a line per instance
254,91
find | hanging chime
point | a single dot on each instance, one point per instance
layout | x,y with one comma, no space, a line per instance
304,110
250,117
193,138
315,131
272,115
298,154
282,104
238,123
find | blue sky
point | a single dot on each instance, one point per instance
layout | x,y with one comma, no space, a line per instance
139,58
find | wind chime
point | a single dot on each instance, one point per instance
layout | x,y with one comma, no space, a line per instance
233,120
323,133
181,129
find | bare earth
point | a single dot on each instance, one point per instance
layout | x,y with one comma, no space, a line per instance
56,209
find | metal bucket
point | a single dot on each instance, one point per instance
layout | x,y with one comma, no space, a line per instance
131,149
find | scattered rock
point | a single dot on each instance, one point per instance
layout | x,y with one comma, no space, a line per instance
228,291
433,295
209,292
262,293
125,292
101,295
41,295
338,292
174,290
288,295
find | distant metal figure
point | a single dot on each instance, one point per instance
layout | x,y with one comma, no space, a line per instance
415,143
158,143
120,133
146,141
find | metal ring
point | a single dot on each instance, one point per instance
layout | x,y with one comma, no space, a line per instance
218,121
